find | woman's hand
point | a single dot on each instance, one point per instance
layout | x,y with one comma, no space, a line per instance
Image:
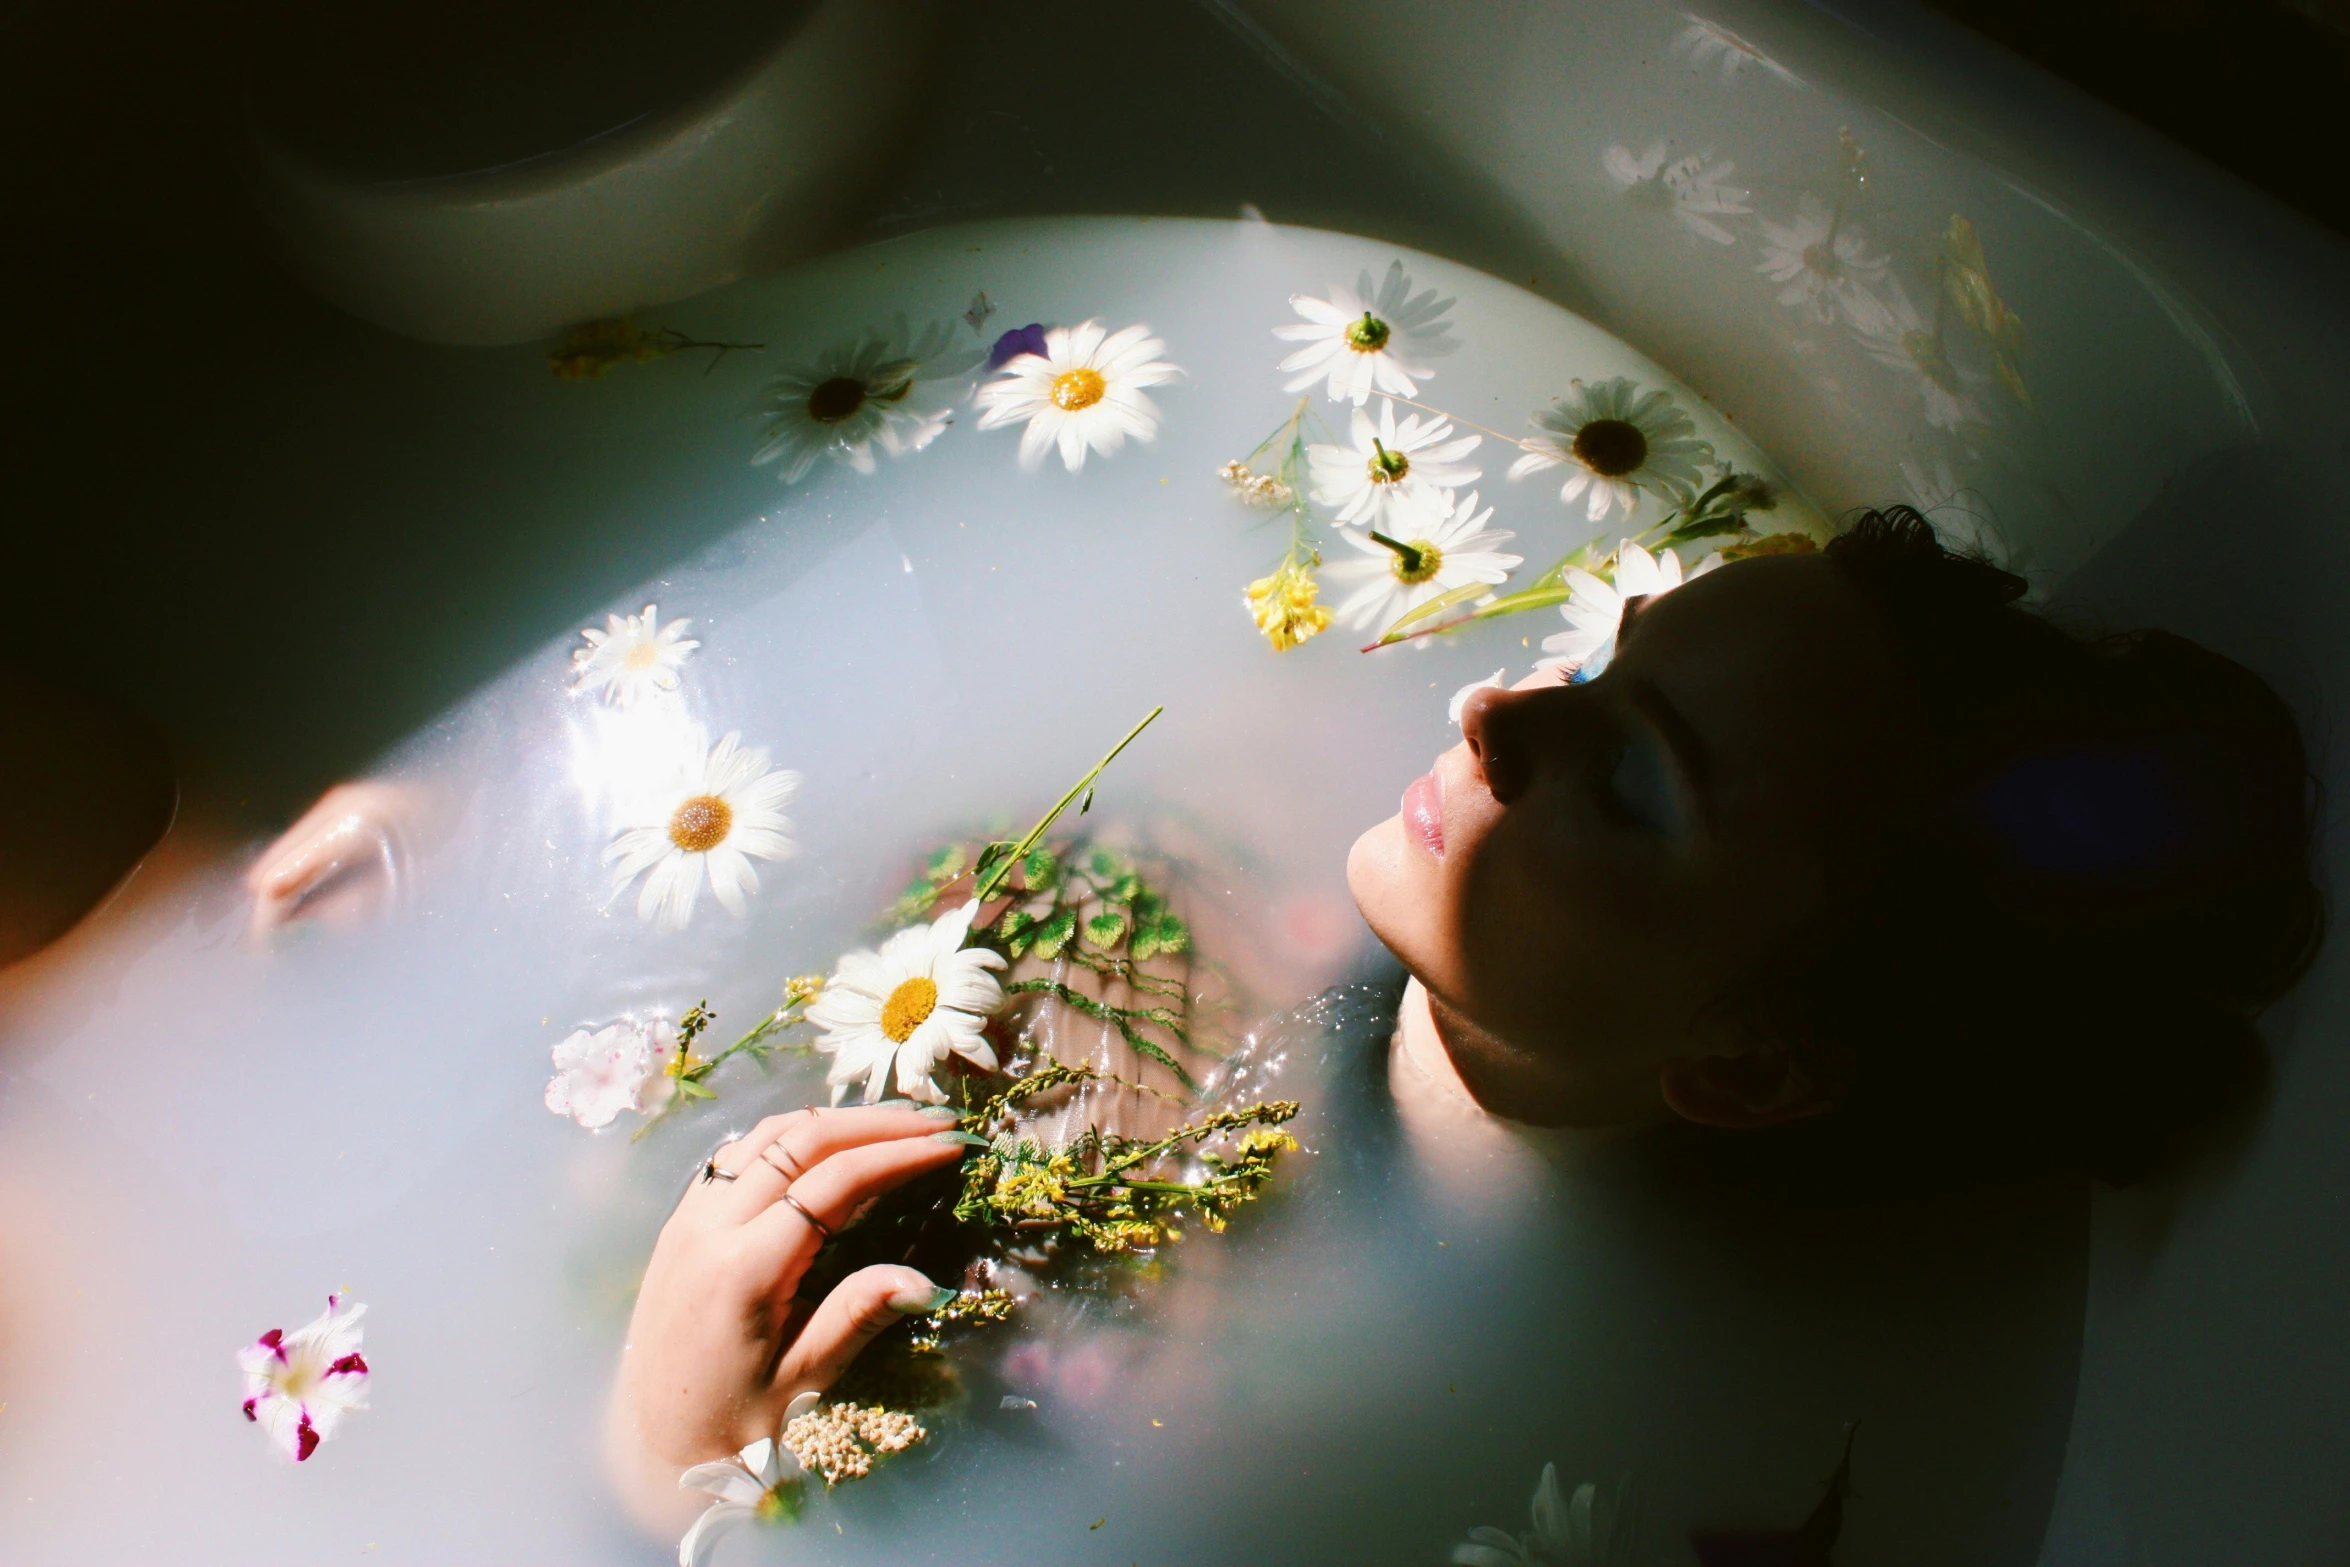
719,1345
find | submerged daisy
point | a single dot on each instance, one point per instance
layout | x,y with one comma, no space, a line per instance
1363,340
1890,329
1825,265
1596,608
1452,552
622,1066
921,998
633,657
1285,606
754,1486
1590,1529
299,1385
1616,442
1392,469
724,807
855,397
1697,191
1704,41
1083,393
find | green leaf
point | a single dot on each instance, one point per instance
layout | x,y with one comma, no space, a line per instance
1163,934
946,864
1086,804
1437,606
1148,905
1106,930
1042,868
1124,889
1102,864
1053,933
687,1088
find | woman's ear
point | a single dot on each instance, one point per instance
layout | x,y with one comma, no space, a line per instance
1751,1086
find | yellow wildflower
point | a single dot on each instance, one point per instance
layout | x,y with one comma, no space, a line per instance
1284,608
594,347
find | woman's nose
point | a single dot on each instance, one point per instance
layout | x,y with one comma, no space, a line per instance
1491,727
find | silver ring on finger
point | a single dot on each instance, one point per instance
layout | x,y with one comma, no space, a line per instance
783,1160
822,1229
711,1172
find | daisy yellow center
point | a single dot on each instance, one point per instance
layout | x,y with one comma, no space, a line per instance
1076,390
643,656
836,399
1388,467
1422,561
701,824
1611,448
908,1008
1368,335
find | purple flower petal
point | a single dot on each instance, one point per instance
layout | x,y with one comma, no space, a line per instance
1028,339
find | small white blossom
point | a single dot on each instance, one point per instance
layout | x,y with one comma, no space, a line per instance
299,1385
923,997
1595,608
1616,442
1083,394
855,397
719,810
1363,339
622,1066
1392,470
1451,552
753,1486
633,657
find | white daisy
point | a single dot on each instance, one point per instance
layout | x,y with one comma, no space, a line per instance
1084,393
1587,1530
1697,191
855,397
752,1486
1825,265
1460,698
622,1066
1616,442
1434,559
720,810
923,997
633,657
1890,329
1596,608
1362,340
1704,41
299,1385
1392,470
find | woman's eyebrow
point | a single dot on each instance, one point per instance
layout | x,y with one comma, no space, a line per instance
1690,753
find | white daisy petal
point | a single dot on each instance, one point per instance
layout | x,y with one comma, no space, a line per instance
720,808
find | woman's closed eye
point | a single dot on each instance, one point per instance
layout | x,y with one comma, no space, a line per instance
1641,787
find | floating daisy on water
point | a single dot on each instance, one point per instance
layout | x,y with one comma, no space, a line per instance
1596,608
1825,266
633,657
622,1066
1695,189
858,396
725,808
1392,469
1705,41
1890,329
1436,557
1616,442
299,1385
1083,393
751,1487
921,998
1363,340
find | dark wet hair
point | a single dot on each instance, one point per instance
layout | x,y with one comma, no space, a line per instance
2058,952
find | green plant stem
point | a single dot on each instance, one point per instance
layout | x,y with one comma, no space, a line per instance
985,887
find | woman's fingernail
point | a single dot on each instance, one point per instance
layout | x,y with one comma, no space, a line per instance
959,1139
934,1297
941,1112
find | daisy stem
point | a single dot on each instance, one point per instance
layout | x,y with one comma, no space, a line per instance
985,887
1408,556
1472,424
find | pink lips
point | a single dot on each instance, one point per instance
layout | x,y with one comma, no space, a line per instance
1423,813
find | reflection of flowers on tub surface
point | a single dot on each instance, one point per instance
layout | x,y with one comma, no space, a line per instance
1696,187
1706,41
633,657
761,1484
299,1385
1892,331
854,397
1616,442
721,810
1084,393
1393,473
923,997
1596,607
1432,558
1588,1529
621,1066
1825,265
1364,339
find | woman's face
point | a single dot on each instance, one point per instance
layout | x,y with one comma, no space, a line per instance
1593,866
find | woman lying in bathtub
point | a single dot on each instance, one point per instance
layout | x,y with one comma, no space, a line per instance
1840,839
